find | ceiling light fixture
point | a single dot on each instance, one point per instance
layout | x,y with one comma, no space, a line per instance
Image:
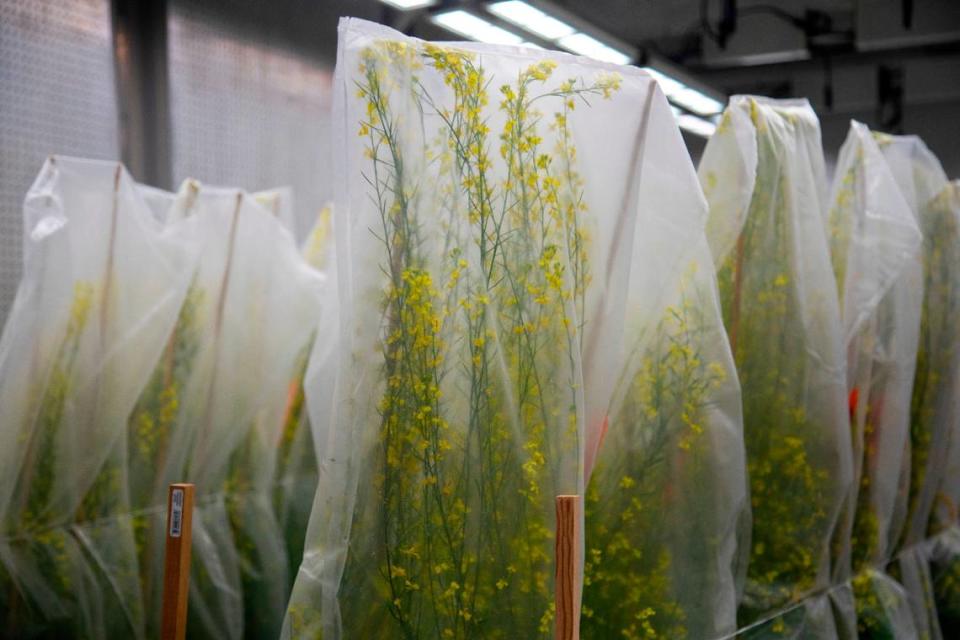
696,126
699,103
475,28
562,32
408,5
687,97
668,85
687,103
591,47
531,19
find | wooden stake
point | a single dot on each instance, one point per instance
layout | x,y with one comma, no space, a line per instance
568,568
176,568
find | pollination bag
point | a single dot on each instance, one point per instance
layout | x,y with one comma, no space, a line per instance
102,286
159,201
317,247
917,171
213,415
296,469
924,182
763,177
944,542
875,247
291,453
292,295
484,222
279,201
945,579
668,492
912,570
936,404
155,416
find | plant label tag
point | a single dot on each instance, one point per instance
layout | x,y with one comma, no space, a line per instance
176,513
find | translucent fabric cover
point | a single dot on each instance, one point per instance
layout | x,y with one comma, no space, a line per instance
935,410
102,286
318,247
295,477
780,310
923,181
918,172
812,618
213,413
912,570
945,578
279,201
294,459
875,246
158,200
936,427
319,382
484,224
668,491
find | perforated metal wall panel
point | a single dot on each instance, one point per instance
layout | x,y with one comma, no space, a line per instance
246,109
57,95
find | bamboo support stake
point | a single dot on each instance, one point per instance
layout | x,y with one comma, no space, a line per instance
567,555
176,569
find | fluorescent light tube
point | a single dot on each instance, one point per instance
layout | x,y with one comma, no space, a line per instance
696,126
693,100
407,5
688,98
531,19
591,47
668,85
470,26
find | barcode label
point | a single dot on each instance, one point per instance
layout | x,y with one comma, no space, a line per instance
176,513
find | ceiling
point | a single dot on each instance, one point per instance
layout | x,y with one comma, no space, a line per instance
894,64
851,58
662,23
